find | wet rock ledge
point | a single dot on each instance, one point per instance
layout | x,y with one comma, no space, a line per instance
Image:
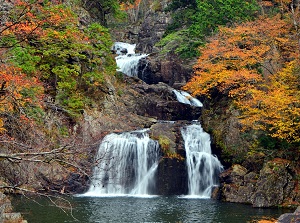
6,213
290,217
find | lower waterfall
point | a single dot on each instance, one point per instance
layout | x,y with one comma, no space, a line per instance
126,165
203,168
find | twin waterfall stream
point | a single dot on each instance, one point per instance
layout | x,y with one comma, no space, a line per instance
127,162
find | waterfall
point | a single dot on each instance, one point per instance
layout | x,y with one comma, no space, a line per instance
127,162
186,98
127,60
203,168
126,165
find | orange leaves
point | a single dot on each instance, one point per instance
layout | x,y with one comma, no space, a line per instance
245,63
14,83
127,5
277,108
2,129
236,56
34,19
59,16
23,29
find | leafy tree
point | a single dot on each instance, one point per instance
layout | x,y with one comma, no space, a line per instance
245,63
101,8
276,109
197,19
44,40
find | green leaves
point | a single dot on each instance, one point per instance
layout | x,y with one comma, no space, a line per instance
25,58
46,42
196,19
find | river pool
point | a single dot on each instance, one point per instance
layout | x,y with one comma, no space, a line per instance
133,209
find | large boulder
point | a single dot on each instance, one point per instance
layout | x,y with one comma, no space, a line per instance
290,217
172,170
275,184
158,101
237,185
168,69
172,177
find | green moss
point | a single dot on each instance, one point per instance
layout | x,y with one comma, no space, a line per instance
156,6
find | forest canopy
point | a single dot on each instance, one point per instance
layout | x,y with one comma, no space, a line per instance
256,63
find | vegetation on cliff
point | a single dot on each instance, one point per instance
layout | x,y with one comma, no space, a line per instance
52,62
51,68
256,65
194,20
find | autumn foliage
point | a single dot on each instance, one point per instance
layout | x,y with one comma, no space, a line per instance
257,65
43,51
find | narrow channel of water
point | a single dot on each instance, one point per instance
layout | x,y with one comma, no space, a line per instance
133,210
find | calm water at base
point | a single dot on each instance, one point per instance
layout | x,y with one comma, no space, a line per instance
132,209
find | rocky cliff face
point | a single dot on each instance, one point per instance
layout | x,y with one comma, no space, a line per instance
132,103
273,185
127,104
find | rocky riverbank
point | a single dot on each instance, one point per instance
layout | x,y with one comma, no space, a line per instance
6,212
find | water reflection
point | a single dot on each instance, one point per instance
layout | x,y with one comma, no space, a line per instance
132,209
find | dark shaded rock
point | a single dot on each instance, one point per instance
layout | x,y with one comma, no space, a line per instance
254,162
170,70
216,193
172,177
76,183
290,217
160,102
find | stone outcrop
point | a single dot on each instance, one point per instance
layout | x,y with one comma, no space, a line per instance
6,213
290,217
152,29
172,170
172,177
160,102
275,184
5,7
169,69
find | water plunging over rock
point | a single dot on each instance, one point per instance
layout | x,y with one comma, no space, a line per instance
203,168
127,162
127,60
186,98
126,165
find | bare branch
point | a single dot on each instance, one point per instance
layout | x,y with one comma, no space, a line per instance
50,197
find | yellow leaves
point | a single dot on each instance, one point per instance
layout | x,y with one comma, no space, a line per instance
2,129
239,62
277,108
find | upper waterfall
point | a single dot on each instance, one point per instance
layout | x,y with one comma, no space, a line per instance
127,60
126,165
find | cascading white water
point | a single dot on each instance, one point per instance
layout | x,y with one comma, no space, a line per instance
127,162
128,60
126,165
186,98
203,167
